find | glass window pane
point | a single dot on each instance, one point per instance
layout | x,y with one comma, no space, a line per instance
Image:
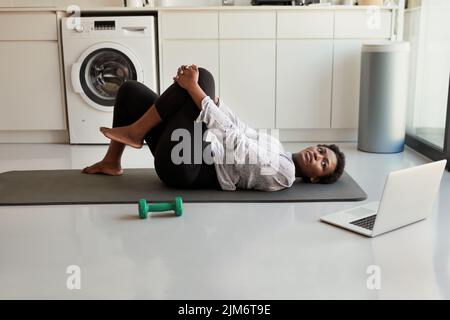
427,27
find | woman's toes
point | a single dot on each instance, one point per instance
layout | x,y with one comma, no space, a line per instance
85,170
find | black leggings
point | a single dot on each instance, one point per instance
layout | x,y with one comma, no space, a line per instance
177,110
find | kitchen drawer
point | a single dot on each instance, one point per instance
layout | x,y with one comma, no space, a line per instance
312,24
247,25
190,25
28,26
363,24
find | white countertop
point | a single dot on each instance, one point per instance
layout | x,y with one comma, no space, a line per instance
33,9
193,8
311,7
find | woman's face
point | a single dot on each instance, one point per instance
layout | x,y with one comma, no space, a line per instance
316,162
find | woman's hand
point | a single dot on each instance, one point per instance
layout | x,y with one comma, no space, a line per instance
187,76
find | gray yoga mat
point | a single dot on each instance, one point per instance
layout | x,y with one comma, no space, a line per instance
53,187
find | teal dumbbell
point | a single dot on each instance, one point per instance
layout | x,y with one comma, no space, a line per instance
145,207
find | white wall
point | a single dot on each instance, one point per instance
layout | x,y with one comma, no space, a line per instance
43,3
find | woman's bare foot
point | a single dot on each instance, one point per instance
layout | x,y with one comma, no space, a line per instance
123,135
111,169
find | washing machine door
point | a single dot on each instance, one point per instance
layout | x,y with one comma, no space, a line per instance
101,70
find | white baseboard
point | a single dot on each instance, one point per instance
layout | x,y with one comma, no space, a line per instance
54,136
291,135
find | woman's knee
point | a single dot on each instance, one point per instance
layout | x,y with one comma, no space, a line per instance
123,93
132,89
126,88
206,82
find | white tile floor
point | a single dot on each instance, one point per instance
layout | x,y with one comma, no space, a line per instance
216,251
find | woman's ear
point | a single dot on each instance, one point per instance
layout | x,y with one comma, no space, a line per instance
314,180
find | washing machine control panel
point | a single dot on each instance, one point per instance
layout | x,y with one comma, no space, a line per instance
111,26
105,25
88,26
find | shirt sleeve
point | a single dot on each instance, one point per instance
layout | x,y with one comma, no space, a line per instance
242,126
268,170
214,117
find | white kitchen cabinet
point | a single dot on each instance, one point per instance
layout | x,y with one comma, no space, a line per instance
304,79
372,23
189,37
289,69
346,80
352,29
28,26
190,25
203,53
247,79
31,90
30,94
311,24
247,25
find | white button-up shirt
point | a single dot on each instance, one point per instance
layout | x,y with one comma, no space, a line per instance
243,157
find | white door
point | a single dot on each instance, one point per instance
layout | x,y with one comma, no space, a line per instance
203,53
304,76
346,79
247,80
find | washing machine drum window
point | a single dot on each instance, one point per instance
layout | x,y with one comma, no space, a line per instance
103,72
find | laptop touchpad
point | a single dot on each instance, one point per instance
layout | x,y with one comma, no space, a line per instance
360,212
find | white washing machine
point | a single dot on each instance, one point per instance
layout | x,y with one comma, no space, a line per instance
100,54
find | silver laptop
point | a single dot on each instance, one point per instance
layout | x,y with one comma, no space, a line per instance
408,197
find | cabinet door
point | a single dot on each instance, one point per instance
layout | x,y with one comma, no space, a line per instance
346,78
305,24
247,80
203,53
372,23
189,24
304,72
33,26
30,92
246,24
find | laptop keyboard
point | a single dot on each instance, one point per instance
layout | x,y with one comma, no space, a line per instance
366,223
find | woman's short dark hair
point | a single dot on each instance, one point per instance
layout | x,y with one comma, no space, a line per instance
340,165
